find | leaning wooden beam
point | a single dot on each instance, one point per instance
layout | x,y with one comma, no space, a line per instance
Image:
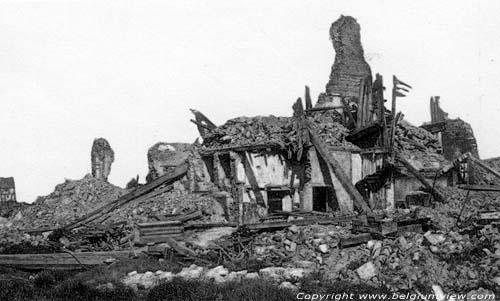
167,179
322,149
200,124
484,166
435,193
61,260
200,117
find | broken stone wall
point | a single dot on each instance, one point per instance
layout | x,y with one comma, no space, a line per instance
164,157
7,190
350,65
458,138
102,156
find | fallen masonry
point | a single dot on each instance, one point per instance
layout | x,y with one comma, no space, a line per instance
344,188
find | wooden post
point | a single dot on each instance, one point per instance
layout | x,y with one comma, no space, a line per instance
361,103
393,111
307,98
345,104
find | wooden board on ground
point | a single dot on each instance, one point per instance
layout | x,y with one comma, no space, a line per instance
61,260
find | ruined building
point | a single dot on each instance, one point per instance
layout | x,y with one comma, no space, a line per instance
102,156
455,135
7,190
336,156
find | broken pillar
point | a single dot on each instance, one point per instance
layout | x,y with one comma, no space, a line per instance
102,156
350,66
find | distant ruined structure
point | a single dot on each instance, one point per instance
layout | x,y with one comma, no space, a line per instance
102,156
456,136
7,190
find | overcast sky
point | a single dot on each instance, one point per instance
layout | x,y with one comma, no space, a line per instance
129,71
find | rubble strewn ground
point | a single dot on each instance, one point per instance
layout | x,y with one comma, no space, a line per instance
70,200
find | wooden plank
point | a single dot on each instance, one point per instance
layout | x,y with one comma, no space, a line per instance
159,238
159,224
169,178
354,240
480,187
60,260
322,149
160,232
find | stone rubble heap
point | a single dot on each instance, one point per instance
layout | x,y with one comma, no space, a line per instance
69,201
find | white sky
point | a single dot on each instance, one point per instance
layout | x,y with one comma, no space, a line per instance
129,71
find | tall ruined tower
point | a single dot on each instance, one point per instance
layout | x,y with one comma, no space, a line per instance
350,66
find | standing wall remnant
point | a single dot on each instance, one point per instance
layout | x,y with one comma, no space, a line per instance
102,156
350,66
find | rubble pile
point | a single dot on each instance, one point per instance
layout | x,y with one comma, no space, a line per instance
486,177
176,201
419,146
458,203
219,274
69,201
246,131
330,129
275,131
410,138
309,243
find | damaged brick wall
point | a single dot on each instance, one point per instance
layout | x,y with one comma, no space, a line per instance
102,156
350,65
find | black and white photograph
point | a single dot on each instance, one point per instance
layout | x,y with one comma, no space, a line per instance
250,150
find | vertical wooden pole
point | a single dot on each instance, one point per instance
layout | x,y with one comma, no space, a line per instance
393,110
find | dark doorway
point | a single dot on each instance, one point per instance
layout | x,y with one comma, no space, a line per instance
275,200
324,199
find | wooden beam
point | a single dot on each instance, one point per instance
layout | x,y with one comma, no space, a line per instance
324,109
348,111
435,193
167,179
68,260
484,166
322,149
